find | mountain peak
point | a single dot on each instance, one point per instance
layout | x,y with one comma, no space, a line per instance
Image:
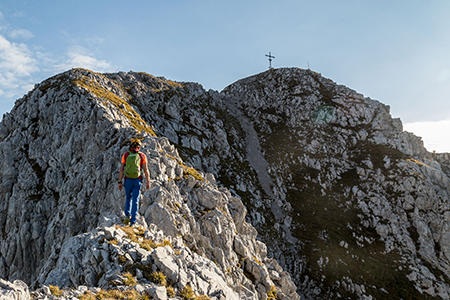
283,182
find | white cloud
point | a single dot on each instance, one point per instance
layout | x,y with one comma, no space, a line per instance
21,33
79,57
20,64
24,64
16,62
94,40
434,134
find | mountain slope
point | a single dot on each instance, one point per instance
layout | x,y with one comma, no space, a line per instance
335,185
345,200
364,198
60,148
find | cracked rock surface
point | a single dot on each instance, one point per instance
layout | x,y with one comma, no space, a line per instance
283,184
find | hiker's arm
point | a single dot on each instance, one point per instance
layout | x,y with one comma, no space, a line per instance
147,176
122,167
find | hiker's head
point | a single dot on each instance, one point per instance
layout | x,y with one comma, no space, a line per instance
135,146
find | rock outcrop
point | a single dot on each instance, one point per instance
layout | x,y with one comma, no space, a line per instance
60,148
282,175
355,190
17,290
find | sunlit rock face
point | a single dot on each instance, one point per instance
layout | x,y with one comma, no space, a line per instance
361,206
61,208
284,174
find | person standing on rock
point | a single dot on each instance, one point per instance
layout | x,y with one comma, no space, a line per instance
134,165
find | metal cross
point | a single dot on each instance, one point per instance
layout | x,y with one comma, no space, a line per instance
270,60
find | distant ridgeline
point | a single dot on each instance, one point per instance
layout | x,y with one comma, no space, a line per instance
442,157
282,185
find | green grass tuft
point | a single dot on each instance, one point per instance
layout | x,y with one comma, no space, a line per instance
122,105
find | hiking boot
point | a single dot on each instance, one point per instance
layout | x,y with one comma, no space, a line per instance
133,224
127,220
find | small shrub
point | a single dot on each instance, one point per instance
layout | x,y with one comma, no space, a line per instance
55,290
272,294
137,235
170,292
158,278
166,243
187,293
129,279
114,294
87,296
192,172
148,245
133,233
122,259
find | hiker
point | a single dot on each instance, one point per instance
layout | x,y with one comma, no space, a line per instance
133,162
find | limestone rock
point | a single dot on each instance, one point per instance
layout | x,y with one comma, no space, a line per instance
285,182
16,290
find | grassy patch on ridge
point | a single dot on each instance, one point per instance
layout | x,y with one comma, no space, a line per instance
122,105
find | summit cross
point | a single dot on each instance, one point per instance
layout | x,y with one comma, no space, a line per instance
270,59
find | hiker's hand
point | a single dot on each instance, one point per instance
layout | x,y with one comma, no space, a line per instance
147,185
120,186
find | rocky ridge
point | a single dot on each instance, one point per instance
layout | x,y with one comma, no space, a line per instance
61,145
325,172
345,200
354,188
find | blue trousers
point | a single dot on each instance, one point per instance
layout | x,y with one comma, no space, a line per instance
133,193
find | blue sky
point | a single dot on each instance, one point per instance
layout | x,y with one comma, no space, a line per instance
394,51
